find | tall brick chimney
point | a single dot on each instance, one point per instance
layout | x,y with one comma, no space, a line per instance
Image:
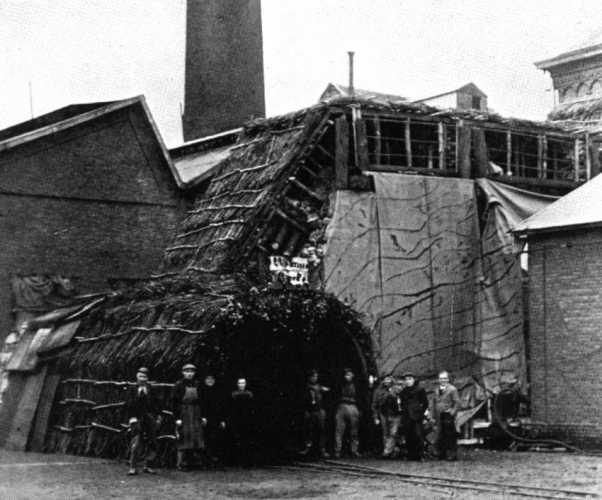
224,66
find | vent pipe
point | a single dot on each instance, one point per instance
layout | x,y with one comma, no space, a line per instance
351,86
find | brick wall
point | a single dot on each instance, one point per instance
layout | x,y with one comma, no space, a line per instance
565,312
92,203
224,66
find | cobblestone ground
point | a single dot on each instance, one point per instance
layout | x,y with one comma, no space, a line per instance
38,476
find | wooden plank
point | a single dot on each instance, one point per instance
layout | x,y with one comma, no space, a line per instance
480,151
377,140
362,144
341,153
23,418
408,142
544,164
595,158
588,163
40,427
540,157
508,153
442,136
464,140
576,160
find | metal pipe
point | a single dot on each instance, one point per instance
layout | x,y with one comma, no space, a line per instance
351,87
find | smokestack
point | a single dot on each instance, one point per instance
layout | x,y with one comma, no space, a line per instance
351,86
224,66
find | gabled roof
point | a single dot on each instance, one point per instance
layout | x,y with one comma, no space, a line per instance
75,115
469,88
580,208
196,160
335,90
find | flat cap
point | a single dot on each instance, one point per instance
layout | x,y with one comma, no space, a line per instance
143,369
408,374
189,366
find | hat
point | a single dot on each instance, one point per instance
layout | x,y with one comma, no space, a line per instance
408,374
189,367
347,370
311,372
143,369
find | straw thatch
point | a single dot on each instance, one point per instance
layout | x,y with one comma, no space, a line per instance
580,111
224,326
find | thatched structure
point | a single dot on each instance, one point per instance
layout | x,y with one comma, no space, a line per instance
210,301
589,110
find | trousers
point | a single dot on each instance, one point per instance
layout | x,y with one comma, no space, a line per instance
390,427
347,418
315,429
413,432
142,446
447,445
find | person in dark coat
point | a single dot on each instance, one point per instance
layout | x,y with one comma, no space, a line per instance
189,412
314,416
241,422
216,423
347,416
414,404
388,414
445,407
144,417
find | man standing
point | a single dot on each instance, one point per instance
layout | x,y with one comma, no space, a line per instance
143,418
446,406
388,414
347,416
189,411
314,416
414,403
242,416
215,419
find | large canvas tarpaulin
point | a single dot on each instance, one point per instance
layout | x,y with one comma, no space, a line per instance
436,292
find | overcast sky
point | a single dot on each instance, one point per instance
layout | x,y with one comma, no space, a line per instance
89,50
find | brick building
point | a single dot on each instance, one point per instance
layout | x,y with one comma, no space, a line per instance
87,192
565,308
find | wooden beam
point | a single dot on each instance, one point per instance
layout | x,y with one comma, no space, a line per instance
362,144
377,140
539,157
408,142
544,163
508,153
595,157
341,153
464,165
588,163
307,190
480,151
442,135
576,160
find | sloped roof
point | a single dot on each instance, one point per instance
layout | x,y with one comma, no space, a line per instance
470,88
580,208
196,160
335,90
75,115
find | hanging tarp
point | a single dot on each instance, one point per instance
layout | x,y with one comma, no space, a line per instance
436,292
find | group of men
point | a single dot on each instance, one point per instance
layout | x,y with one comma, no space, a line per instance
400,409
200,417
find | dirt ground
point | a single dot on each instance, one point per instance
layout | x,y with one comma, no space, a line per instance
35,476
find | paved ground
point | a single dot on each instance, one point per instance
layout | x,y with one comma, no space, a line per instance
37,476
